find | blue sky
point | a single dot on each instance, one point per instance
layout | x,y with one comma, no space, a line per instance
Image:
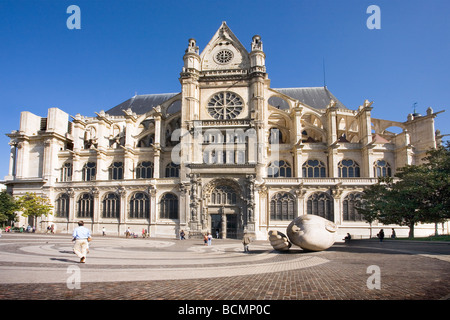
124,47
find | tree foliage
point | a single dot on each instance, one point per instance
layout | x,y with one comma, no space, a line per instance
419,194
8,207
34,206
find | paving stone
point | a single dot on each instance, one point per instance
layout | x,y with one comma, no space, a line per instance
408,271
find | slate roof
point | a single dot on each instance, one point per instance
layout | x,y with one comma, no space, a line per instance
316,97
141,104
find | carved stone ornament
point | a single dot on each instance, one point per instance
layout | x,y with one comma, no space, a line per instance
309,232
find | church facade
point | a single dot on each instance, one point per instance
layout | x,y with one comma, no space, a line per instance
226,154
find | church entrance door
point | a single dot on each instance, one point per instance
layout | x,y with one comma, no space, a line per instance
225,208
232,226
216,225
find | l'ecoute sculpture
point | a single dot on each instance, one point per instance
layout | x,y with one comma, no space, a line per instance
309,232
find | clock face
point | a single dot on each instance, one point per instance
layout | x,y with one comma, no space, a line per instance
225,105
223,56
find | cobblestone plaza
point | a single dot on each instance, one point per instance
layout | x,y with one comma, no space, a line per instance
42,267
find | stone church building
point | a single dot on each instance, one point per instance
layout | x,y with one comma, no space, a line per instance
227,153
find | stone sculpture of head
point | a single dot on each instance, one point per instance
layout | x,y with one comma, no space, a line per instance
309,232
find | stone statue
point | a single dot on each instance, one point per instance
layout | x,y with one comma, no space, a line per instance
309,232
279,241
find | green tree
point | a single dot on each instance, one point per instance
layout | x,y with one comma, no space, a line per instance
8,207
373,201
437,191
34,206
403,200
419,194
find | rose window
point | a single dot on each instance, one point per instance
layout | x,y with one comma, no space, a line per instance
224,106
224,56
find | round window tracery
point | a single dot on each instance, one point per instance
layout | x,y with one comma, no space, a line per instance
225,105
224,56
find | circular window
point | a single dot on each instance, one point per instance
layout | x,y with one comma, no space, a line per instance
223,56
225,105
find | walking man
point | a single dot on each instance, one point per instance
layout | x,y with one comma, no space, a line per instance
246,241
81,236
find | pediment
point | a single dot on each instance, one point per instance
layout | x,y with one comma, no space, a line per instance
224,51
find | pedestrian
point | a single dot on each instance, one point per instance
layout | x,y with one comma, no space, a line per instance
103,231
348,237
205,239
209,238
393,235
81,236
381,235
217,233
128,232
246,241
182,235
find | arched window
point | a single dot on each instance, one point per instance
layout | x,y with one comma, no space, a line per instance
282,206
116,171
172,170
321,204
169,206
314,169
89,170
62,206
144,170
85,206
279,169
66,172
350,213
111,206
382,168
139,206
223,195
348,169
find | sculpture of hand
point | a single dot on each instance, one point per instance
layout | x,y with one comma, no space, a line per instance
279,241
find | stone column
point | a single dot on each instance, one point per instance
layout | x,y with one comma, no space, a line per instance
72,204
22,159
123,211
128,165
96,214
12,161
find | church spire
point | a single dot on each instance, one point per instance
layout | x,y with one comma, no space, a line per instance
191,59
257,57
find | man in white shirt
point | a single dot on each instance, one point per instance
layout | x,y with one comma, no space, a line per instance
81,236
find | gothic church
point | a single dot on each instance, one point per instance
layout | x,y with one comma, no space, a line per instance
226,154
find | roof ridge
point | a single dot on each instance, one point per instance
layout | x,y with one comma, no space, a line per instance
155,94
301,88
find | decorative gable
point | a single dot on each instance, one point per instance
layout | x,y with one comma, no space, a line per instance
224,52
